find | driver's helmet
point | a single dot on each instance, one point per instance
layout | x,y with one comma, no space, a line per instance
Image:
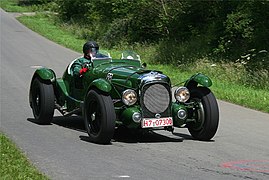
90,48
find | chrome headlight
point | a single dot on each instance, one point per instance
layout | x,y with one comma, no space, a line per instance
182,94
137,117
129,97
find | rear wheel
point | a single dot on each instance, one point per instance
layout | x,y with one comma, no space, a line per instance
99,117
206,114
42,101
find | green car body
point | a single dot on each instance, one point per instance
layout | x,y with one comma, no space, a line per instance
109,81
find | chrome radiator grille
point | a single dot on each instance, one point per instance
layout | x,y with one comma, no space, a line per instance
156,98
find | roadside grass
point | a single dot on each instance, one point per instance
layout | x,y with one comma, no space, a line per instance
44,26
223,89
12,6
227,78
63,35
14,164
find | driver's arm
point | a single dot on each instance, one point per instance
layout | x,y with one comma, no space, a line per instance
77,66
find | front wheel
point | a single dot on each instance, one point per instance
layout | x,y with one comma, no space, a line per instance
206,114
99,117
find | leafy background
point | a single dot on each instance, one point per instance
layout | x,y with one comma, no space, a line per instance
230,35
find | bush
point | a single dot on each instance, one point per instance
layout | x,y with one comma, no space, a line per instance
183,32
33,2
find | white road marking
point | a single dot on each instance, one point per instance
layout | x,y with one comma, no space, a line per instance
36,66
123,176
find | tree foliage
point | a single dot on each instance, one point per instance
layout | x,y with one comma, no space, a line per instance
229,29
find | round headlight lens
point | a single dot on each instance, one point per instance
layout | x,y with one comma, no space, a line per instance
181,114
182,94
137,117
129,97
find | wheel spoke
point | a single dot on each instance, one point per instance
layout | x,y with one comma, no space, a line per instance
205,112
94,117
200,116
36,100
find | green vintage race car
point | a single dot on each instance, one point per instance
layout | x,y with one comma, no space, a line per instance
122,92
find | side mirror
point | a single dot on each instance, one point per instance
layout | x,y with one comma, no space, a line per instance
144,65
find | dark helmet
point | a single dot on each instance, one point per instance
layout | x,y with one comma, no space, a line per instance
90,45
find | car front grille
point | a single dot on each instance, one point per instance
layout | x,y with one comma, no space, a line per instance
156,99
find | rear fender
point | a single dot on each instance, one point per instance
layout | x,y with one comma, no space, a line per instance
45,74
101,84
198,79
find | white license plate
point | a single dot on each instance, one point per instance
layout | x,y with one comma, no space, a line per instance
160,122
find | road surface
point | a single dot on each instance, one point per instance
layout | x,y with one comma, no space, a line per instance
240,149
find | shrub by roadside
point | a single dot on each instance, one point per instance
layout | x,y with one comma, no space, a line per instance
232,81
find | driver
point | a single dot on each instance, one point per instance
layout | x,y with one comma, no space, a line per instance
90,49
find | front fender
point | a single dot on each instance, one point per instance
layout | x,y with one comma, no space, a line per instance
45,74
101,84
198,79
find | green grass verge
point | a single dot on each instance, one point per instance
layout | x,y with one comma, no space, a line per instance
44,26
225,90
14,165
12,6
225,79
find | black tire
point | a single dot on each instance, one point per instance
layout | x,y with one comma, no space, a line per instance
99,117
207,114
42,101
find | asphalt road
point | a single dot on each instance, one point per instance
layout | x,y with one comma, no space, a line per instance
61,150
